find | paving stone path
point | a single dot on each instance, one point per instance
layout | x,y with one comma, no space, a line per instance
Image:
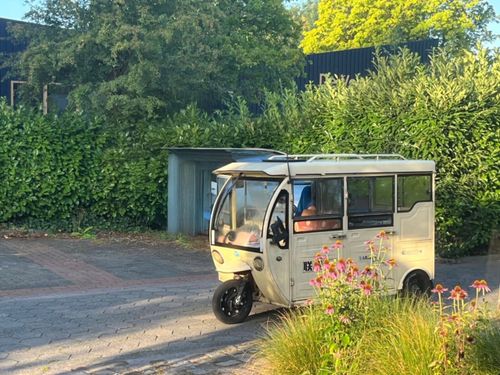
83,307
87,308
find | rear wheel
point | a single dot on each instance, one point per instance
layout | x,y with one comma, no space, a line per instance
232,301
417,283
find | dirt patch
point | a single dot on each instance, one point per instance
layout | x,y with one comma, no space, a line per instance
146,238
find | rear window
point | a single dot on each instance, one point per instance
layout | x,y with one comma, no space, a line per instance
413,189
370,201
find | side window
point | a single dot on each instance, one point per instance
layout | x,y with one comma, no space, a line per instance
318,205
278,223
371,201
413,189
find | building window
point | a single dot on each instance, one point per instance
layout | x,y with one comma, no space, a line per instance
15,92
413,189
319,205
370,201
55,98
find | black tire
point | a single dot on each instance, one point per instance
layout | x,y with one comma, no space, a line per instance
418,284
224,305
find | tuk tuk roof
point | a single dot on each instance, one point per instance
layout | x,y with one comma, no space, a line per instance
327,164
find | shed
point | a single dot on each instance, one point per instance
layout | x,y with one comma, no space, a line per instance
192,187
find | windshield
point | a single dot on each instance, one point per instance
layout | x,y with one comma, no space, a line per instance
240,217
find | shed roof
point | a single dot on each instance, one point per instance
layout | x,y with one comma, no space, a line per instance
228,154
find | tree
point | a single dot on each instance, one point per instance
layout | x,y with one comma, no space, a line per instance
306,13
128,58
344,24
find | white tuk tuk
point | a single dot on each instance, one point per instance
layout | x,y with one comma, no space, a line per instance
271,217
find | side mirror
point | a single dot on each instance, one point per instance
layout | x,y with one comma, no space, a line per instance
280,234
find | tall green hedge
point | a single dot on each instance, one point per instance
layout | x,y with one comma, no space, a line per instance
72,171
69,172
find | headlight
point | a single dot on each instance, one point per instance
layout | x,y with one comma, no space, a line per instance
218,258
258,264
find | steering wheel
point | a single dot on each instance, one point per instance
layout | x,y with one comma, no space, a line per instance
280,234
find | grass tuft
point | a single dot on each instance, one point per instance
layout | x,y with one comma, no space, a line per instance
399,338
293,345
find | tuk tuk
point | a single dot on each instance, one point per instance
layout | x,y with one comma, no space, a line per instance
271,217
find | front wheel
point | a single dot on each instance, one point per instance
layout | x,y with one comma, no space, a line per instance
232,301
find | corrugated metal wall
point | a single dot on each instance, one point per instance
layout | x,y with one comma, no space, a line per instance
190,181
6,47
351,62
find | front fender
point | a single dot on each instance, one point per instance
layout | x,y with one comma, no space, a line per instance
235,261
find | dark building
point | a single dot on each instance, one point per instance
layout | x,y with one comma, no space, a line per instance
7,47
359,61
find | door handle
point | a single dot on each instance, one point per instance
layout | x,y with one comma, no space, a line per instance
337,236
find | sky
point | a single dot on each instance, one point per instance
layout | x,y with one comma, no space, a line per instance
15,9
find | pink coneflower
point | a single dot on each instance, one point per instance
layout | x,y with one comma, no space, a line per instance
333,275
337,245
329,310
332,272
381,235
439,289
318,257
391,263
325,250
366,288
481,285
317,282
317,266
349,276
341,265
367,271
355,270
326,264
458,294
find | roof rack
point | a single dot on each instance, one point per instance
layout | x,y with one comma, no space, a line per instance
336,157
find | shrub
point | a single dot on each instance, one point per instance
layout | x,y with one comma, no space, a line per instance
350,328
